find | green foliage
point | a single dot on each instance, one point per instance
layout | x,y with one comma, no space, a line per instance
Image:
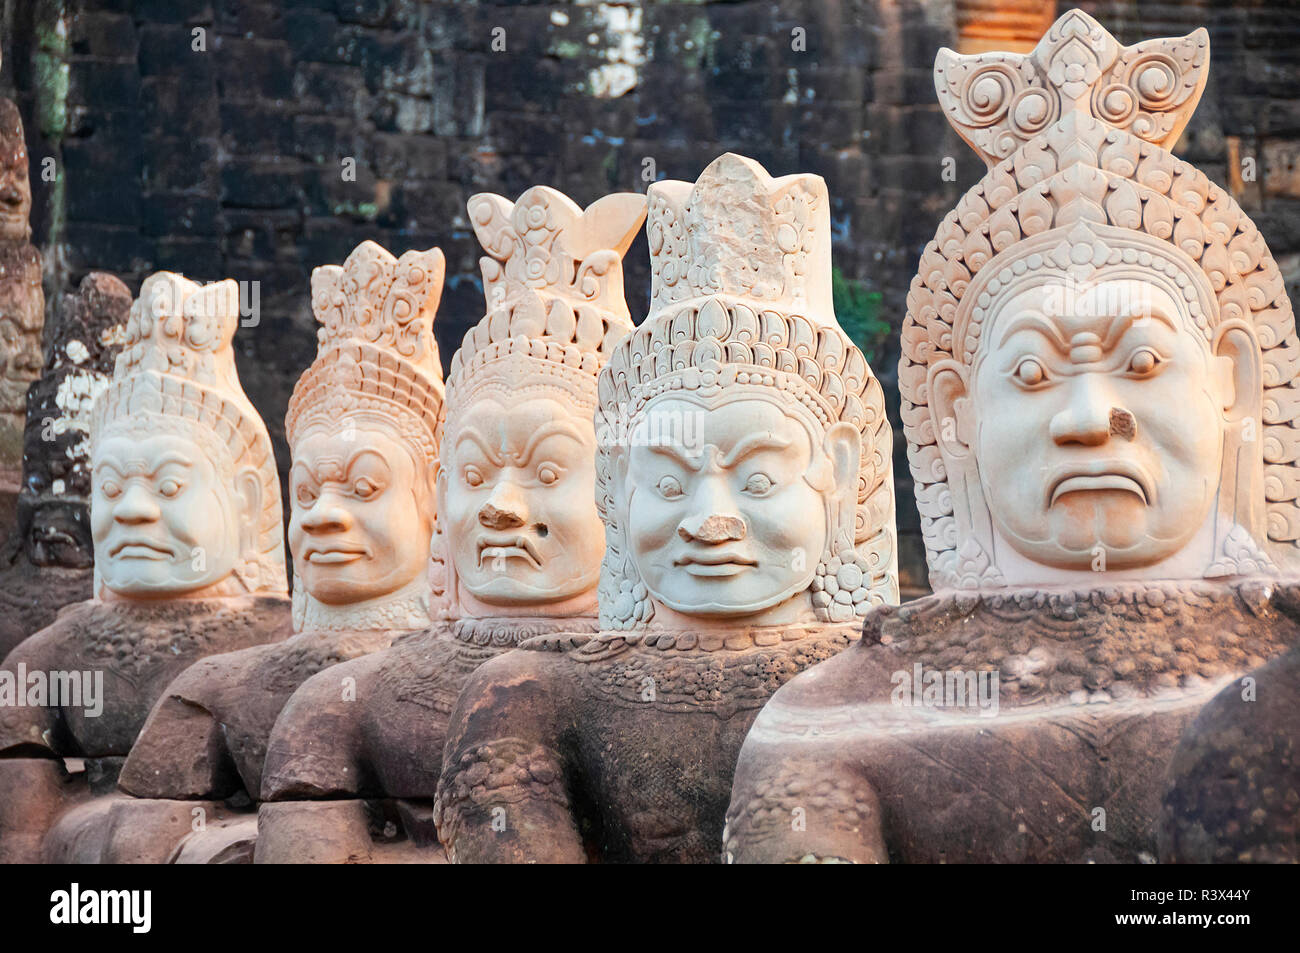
858,311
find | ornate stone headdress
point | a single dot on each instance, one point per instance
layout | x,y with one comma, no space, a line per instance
553,280
741,295
90,328
376,357
376,352
1076,135
176,374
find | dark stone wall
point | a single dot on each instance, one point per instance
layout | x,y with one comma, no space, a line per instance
227,162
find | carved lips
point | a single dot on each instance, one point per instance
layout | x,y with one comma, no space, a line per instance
334,555
512,547
140,549
714,564
1102,475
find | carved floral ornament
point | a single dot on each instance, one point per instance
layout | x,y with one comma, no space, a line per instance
741,316
999,101
1087,222
176,441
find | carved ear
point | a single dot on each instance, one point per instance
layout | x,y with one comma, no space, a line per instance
843,444
440,484
430,495
949,407
618,467
611,223
248,496
1238,369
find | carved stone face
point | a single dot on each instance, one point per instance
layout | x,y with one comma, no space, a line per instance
1097,419
58,534
731,523
520,501
162,519
15,185
20,352
361,519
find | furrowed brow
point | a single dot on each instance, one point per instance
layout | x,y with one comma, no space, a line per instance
558,429
1041,325
757,443
671,453
492,455
169,459
1126,319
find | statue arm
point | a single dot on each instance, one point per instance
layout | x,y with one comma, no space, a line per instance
808,805
504,795
32,730
315,749
181,751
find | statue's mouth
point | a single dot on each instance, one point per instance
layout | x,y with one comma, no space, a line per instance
334,556
514,547
53,537
139,549
714,565
1104,475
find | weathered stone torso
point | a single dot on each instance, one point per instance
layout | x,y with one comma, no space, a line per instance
31,597
633,736
1094,690
221,710
140,648
381,734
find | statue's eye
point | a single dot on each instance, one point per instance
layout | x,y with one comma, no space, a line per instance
1029,372
1143,362
170,488
110,489
547,474
306,495
365,488
760,484
669,487
473,477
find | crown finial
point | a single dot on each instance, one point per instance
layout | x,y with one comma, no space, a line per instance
387,301
999,101
738,232
553,280
545,243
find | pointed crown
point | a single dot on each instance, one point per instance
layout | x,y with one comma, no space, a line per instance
1076,136
376,350
553,280
176,372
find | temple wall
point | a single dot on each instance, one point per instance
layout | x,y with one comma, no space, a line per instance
229,161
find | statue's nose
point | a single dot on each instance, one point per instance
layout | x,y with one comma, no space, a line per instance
1086,418
714,528
505,509
137,505
327,515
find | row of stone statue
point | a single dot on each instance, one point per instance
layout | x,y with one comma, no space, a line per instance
541,608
